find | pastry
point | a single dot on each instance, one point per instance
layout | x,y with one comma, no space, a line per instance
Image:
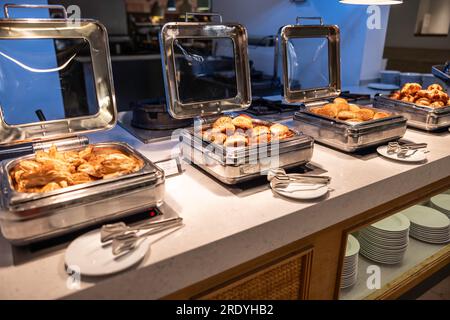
435,86
423,102
260,134
51,170
411,88
353,108
332,109
437,104
236,140
340,100
345,115
365,114
280,131
380,115
243,122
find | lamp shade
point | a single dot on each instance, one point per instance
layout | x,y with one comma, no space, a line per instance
372,2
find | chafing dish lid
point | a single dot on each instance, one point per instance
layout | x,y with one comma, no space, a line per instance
205,67
56,78
310,59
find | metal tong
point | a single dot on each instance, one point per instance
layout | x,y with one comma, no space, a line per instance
280,179
131,240
402,149
112,231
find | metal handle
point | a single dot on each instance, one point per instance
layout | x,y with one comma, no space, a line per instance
7,6
297,20
187,14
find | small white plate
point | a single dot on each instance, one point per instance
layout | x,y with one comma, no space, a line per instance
92,258
383,86
302,191
418,156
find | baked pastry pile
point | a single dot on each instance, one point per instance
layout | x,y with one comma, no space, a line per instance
434,96
54,170
342,110
243,131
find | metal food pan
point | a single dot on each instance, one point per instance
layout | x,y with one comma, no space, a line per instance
29,217
236,165
421,117
350,137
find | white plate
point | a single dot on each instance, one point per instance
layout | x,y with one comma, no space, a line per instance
352,246
427,217
418,156
441,202
96,259
383,86
397,222
302,191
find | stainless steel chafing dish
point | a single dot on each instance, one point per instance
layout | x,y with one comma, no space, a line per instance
229,165
238,164
421,117
47,82
350,137
311,77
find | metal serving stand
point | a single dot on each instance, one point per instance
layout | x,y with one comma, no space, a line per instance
230,165
41,58
312,77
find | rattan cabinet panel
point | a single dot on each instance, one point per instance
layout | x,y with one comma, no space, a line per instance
284,279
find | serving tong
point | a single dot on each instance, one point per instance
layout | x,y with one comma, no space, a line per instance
403,150
126,238
280,179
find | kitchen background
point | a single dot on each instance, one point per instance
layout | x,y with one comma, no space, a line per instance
405,41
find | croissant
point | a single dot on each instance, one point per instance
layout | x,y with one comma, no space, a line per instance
243,122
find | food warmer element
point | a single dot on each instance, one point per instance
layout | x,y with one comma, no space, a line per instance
65,110
421,117
152,115
311,76
230,165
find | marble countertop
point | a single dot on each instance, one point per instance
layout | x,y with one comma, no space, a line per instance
226,226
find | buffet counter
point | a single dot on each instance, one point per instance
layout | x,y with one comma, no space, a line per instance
228,226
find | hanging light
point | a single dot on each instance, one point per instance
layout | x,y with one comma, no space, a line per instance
372,2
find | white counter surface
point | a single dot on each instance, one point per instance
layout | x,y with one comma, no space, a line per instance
226,226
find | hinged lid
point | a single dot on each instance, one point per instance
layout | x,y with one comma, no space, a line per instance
56,78
311,61
196,56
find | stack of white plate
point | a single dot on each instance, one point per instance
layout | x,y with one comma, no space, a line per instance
386,241
441,202
350,267
428,224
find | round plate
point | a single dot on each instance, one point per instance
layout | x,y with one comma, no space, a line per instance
302,191
419,156
96,259
427,217
352,246
441,202
383,86
396,222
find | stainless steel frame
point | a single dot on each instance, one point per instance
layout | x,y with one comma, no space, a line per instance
350,137
421,117
93,32
331,33
195,30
